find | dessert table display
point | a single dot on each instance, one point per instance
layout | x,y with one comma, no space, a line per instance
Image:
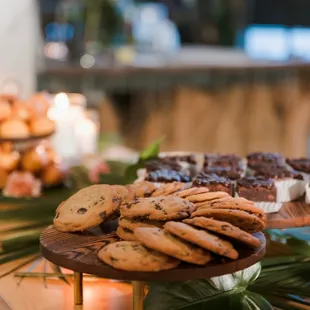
163,232
179,209
162,176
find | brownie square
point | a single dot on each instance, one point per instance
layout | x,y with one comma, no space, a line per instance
257,158
225,160
214,183
257,189
190,158
300,164
208,159
167,176
162,163
277,173
232,173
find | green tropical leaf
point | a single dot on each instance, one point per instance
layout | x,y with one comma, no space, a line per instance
112,179
256,301
19,241
190,295
152,150
8,257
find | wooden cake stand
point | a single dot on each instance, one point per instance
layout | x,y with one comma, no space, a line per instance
78,252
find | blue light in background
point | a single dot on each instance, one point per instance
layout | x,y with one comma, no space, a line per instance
56,32
267,42
300,43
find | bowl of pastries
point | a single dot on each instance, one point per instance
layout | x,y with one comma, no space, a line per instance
24,119
24,174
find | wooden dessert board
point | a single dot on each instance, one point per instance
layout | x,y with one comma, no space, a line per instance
78,252
292,214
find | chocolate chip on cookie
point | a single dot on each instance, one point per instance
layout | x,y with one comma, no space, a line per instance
125,234
142,189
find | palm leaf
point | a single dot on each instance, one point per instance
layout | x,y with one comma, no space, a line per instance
190,295
20,253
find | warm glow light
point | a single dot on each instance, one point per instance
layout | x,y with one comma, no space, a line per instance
56,50
61,104
85,126
61,101
87,61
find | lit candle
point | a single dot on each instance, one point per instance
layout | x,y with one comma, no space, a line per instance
66,117
87,134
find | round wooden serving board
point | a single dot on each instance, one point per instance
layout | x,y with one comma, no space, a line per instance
78,252
292,214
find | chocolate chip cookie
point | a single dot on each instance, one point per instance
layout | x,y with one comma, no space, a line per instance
132,224
238,203
202,238
206,197
126,193
162,241
87,208
168,189
158,208
191,191
142,188
245,221
225,229
125,234
132,256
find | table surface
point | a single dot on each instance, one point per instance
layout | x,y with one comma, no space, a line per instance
32,294
292,214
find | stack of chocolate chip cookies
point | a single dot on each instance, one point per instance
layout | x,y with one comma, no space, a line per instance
161,226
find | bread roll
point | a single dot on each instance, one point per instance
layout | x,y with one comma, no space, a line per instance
41,126
34,159
9,160
14,129
5,110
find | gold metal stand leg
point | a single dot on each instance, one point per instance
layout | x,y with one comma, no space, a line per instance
78,288
138,295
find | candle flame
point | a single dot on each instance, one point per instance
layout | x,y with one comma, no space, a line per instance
61,104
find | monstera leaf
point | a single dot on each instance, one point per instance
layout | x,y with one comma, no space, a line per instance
283,282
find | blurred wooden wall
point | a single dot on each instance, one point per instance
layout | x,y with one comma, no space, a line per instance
230,119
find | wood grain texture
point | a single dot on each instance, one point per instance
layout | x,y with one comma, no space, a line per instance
78,252
292,214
